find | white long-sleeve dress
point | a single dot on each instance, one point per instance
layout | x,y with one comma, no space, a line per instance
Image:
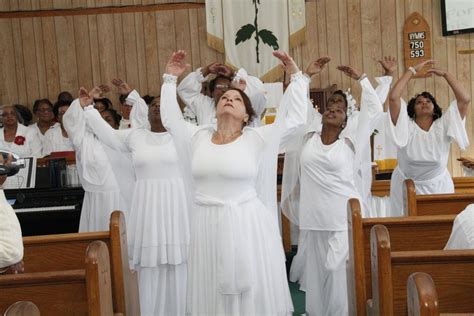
236,260
157,224
423,155
204,107
31,147
11,242
54,141
462,236
102,194
327,177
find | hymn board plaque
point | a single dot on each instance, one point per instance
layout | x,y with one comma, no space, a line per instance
416,42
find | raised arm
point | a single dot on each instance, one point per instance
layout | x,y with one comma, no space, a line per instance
139,113
389,65
461,94
75,123
103,131
171,115
399,86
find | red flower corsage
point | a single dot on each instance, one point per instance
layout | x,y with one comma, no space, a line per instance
19,140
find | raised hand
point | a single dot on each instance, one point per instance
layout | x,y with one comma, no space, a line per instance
287,62
122,86
437,72
176,65
419,66
225,70
389,65
317,66
239,84
349,71
210,69
98,92
84,97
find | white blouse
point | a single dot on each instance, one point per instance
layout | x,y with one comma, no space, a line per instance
55,141
30,146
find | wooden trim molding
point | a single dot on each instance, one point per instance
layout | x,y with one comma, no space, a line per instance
101,10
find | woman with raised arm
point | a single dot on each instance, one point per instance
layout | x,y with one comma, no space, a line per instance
423,136
324,170
236,259
157,223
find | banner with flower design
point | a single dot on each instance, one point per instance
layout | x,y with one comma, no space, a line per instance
247,31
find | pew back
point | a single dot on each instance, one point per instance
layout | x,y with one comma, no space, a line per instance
69,292
461,185
406,233
63,252
451,270
434,204
422,299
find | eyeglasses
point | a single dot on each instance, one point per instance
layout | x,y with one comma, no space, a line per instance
44,110
222,86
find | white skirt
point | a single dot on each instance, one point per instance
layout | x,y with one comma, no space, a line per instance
96,210
326,276
236,262
158,227
162,290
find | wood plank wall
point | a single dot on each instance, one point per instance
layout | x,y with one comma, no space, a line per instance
41,56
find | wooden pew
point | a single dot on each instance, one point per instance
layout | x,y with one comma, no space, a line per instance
422,299
407,233
434,204
451,270
461,185
70,292
66,252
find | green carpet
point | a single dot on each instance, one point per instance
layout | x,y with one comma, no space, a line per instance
298,298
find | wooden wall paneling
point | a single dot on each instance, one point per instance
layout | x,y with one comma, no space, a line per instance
152,39
452,54
428,15
106,48
194,56
183,38
83,49
416,85
29,54
355,41
140,44
19,62
371,36
311,44
39,54
66,43
208,55
165,26
333,43
470,113
388,29
8,84
344,39
50,53
130,52
119,44
94,46
463,70
322,41
400,14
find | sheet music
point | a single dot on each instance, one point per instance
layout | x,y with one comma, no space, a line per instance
25,178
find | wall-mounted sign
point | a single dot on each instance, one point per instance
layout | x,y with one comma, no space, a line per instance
416,42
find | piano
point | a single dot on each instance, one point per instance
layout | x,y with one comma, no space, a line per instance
44,211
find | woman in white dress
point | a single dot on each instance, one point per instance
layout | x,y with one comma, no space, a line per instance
328,172
102,194
16,137
423,136
157,224
56,138
43,110
236,261
462,236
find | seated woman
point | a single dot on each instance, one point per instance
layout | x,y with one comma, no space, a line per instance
56,138
236,260
423,136
16,137
43,110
